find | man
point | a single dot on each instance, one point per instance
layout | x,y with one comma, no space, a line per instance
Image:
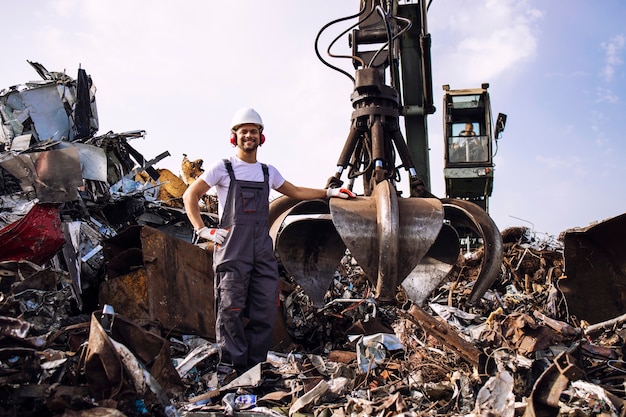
467,148
469,130
246,271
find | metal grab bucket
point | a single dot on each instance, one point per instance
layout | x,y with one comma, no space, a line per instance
307,244
388,237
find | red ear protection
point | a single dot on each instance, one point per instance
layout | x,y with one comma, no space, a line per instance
233,139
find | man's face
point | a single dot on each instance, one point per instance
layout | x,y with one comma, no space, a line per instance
248,137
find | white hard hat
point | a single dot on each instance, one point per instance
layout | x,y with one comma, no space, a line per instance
246,115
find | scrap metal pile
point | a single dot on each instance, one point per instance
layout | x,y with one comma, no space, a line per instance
106,305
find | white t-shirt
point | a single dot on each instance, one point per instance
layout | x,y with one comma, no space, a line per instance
217,176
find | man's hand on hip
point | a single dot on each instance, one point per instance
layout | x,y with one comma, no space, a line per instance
216,236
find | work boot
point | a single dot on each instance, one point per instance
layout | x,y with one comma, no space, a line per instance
225,374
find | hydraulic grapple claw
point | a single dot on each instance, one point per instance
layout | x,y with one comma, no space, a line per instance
394,240
388,236
473,216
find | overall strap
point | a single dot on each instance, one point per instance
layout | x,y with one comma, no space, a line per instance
229,169
266,173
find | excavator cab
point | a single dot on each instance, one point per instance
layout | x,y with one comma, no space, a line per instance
470,144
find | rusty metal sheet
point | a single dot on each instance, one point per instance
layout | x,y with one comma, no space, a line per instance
178,277
544,399
595,269
152,349
128,294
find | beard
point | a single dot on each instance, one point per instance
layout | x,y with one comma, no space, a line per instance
250,148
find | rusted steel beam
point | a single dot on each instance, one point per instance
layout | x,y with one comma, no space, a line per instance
444,332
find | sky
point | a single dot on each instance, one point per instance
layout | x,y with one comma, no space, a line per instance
179,71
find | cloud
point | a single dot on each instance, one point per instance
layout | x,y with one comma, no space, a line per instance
485,40
598,121
598,117
613,48
605,95
559,162
570,74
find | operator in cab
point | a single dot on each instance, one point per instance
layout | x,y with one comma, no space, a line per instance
468,148
468,131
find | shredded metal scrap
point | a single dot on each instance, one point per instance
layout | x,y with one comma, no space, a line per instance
89,290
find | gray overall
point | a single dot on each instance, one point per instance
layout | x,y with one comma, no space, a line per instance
246,275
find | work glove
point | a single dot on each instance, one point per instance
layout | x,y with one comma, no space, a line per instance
216,236
340,192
